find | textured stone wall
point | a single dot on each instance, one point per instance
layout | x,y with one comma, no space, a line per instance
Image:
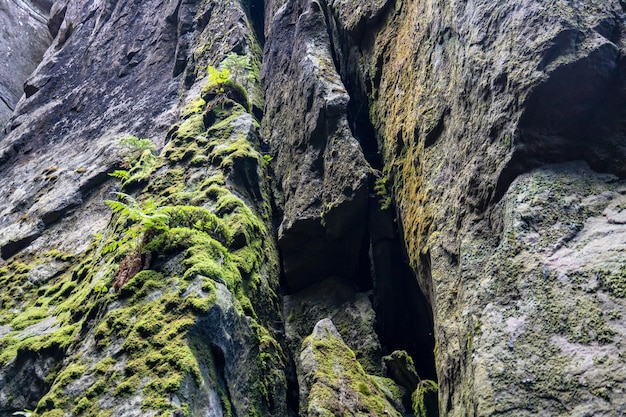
392,192
25,38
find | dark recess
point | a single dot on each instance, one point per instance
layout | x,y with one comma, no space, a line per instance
576,114
404,315
256,13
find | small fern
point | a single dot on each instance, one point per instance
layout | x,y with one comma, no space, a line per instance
120,174
218,78
238,66
150,217
134,148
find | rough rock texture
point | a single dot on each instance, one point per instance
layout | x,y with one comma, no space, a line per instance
320,170
351,312
547,315
170,305
489,135
464,97
23,41
333,383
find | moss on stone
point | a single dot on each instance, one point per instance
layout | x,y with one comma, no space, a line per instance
337,374
140,333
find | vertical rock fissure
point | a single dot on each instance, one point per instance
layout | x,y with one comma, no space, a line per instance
404,318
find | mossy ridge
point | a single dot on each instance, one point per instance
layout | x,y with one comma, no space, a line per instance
67,296
337,366
156,357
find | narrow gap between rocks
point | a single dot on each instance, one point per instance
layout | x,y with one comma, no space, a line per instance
404,315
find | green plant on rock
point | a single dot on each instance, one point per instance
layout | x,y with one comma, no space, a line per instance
238,66
150,217
218,78
134,147
422,397
139,159
152,221
381,187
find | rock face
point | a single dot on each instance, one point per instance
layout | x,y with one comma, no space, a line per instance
463,99
321,173
25,38
164,300
332,381
446,181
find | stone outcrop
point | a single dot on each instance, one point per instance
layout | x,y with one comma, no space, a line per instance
25,38
163,299
464,98
320,171
332,382
432,192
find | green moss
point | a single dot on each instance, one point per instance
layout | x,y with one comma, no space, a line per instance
193,126
96,389
195,107
150,317
127,386
424,398
337,370
141,170
70,373
83,405
614,282
53,413
29,317
140,284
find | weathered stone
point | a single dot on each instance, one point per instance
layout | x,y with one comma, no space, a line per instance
23,41
351,312
520,261
321,174
460,109
332,382
188,328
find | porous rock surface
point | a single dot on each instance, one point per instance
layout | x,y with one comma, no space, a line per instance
333,383
464,97
114,314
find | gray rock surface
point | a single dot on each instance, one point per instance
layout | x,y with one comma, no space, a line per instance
138,68
349,310
501,142
24,37
333,383
320,171
546,315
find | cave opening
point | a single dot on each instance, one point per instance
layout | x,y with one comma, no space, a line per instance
403,311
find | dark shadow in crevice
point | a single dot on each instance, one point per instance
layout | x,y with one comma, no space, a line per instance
255,9
575,114
404,315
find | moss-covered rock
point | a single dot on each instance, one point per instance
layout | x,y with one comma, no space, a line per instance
332,382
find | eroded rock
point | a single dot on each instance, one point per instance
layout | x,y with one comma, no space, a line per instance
332,382
321,174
